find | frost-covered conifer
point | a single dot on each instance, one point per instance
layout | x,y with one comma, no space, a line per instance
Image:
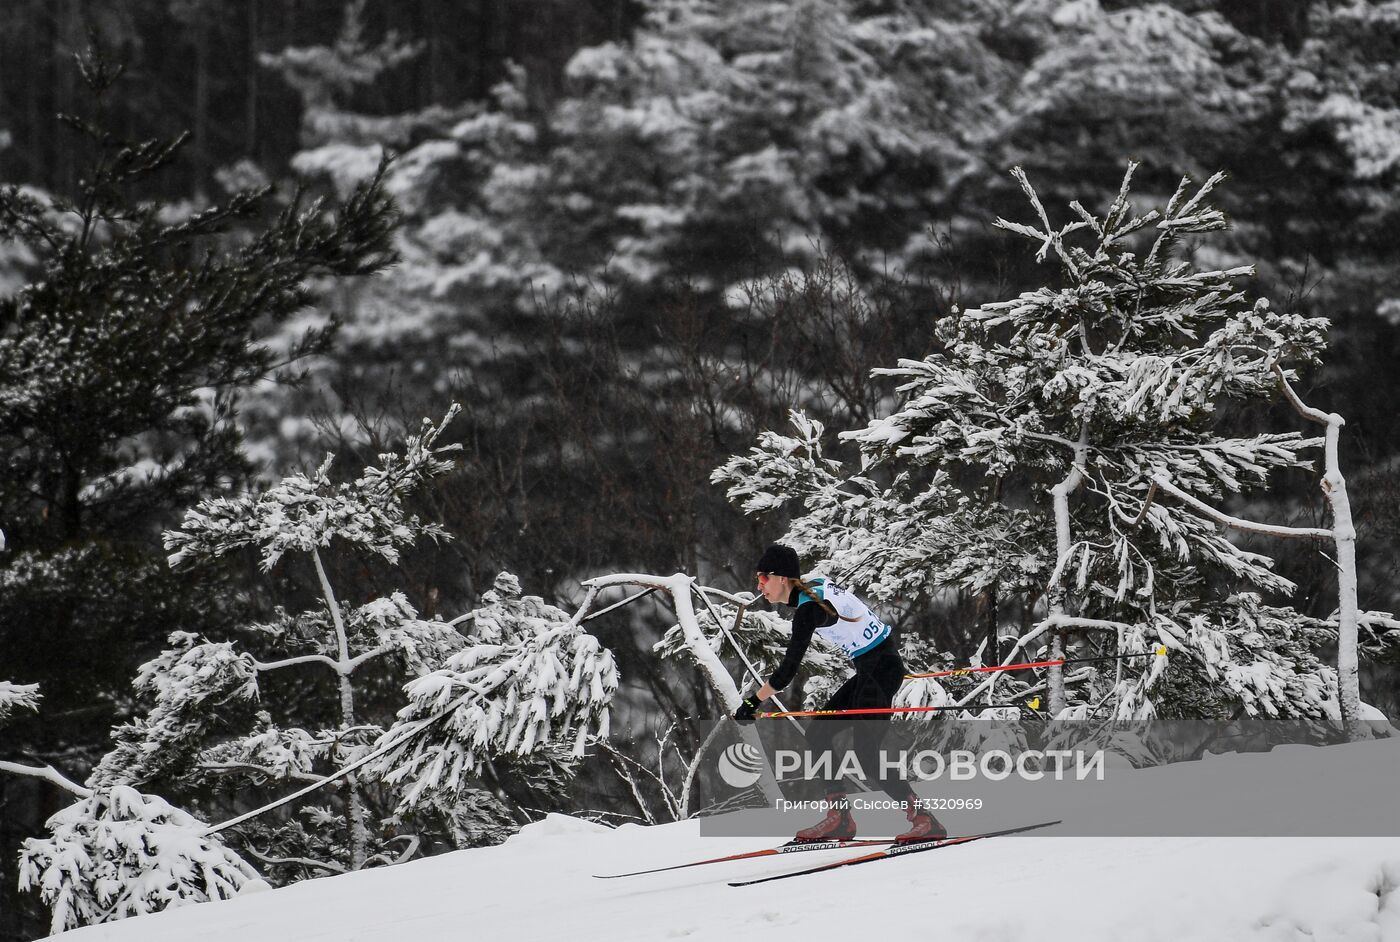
123,352
1022,457
532,686
116,852
201,690
717,135
120,853
340,140
324,76
1345,85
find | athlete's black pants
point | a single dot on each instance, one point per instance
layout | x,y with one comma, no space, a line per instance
879,672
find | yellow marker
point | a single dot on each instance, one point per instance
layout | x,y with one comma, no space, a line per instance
1034,704
1161,650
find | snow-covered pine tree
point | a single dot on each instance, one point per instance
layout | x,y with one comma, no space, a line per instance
116,852
191,732
339,141
529,689
1022,457
325,77
719,136
720,132
137,324
119,853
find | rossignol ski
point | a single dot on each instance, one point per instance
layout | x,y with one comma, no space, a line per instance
789,848
897,850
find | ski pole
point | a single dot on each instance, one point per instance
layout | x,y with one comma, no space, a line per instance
1160,651
1034,704
748,665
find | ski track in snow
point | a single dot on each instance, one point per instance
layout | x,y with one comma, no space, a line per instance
539,885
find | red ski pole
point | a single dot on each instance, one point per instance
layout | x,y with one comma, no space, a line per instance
1034,704
1160,651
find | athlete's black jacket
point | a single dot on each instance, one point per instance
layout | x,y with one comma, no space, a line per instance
805,621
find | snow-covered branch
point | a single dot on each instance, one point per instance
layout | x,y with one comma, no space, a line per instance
1378,620
1052,439
119,853
1303,409
17,697
678,586
265,666
1238,523
329,866
742,598
47,773
1085,624
304,513
535,681
258,771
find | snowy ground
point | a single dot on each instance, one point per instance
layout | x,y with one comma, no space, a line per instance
539,886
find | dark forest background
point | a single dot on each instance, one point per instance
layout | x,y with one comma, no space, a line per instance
630,236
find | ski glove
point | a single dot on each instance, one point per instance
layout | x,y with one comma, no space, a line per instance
747,708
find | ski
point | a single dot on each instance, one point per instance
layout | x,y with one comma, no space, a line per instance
792,848
897,850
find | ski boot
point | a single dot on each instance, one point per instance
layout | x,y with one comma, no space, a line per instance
838,825
923,827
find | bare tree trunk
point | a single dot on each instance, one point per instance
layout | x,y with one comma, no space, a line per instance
1057,595
1334,487
1343,535
358,833
1348,673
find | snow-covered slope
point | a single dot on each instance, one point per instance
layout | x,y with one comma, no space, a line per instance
539,886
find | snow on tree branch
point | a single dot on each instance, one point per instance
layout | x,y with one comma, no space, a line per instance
531,681
48,773
269,754
17,697
780,469
1020,456
304,512
120,853
763,637
26,697
186,683
1239,523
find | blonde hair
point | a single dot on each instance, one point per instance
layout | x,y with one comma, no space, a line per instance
826,606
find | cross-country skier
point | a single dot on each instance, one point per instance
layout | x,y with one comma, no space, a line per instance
842,618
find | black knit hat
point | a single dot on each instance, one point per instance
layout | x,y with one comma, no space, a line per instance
779,560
